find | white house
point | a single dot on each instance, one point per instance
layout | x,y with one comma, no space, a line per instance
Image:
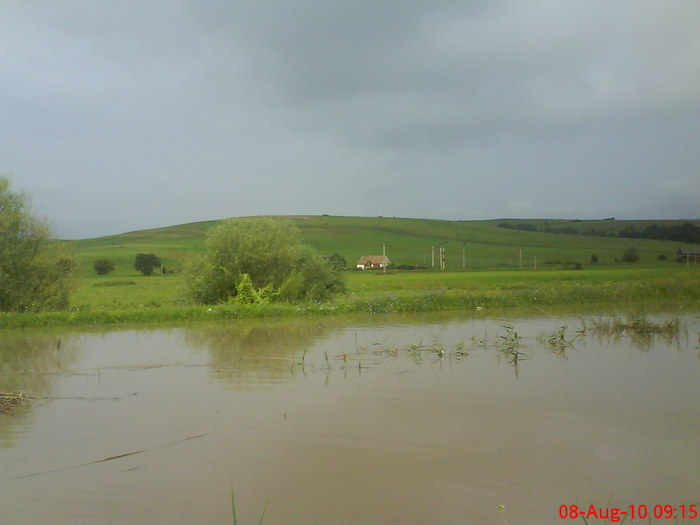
368,262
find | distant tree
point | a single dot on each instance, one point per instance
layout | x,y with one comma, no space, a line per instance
685,232
103,266
630,255
524,226
662,257
337,262
35,270
146,263
594,259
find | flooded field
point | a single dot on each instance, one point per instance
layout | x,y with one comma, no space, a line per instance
398,419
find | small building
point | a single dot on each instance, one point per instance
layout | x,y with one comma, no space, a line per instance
372,262
688,254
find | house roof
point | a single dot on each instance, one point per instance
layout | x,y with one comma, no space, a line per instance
374,259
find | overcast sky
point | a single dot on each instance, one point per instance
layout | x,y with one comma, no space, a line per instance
124,115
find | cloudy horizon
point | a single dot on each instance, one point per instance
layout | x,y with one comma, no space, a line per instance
120,116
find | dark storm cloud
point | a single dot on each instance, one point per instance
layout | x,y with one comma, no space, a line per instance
120,115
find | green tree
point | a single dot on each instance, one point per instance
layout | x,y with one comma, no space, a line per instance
594,259
630,255
146,263
259,259
103,266
35,270
337,262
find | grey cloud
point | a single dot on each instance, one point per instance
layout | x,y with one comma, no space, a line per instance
234,108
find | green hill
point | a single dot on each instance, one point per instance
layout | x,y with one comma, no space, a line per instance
410,242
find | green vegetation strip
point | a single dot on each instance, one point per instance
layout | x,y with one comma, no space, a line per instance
676,291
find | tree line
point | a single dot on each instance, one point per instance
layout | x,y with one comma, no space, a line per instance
685,232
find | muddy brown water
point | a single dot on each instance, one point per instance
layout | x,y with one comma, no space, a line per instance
413,419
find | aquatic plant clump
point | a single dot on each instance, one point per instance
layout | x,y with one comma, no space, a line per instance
13,402
634,325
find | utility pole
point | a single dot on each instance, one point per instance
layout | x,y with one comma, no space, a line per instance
432,251
534,260
384,252
464,257
520,258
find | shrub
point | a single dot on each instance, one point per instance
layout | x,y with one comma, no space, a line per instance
103,266
146,263
594,259
246,294
630,255
259,259
337,262
35,271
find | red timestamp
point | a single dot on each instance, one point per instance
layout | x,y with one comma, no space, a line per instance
618,514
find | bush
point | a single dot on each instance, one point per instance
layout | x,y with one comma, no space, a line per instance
572,265
103,267
35,271
594,259
146,263
337,262
258,260
630,255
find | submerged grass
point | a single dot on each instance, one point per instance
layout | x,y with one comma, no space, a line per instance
640,329
678,291
12,403
635,325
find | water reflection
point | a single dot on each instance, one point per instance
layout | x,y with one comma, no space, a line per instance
251,353
30,366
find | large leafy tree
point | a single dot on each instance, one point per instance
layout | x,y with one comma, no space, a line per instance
261,254
146,263
35,270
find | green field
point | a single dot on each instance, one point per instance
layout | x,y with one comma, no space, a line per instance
503,265
159,291
483,244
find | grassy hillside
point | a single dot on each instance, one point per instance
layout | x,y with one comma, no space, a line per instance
407,241
493,277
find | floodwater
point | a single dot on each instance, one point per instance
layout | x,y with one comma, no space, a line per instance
398,419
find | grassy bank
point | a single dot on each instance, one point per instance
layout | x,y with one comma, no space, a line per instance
406,293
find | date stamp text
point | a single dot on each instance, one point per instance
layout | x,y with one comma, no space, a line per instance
617,514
